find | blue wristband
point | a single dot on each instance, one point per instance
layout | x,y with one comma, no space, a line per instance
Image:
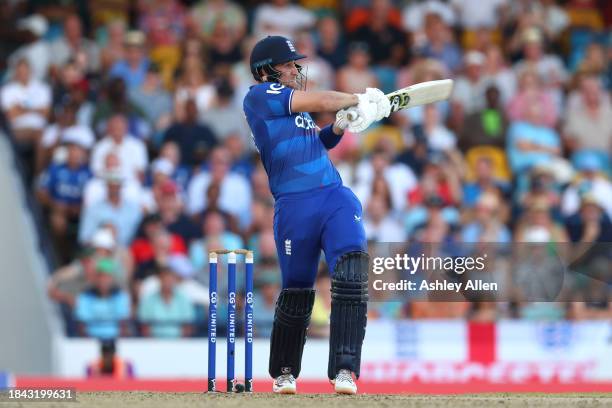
328,137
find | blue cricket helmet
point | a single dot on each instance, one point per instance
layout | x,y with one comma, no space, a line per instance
272,50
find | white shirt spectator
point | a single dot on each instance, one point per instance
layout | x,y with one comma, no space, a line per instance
398,176
96,191
38,56
469,94
600,189
235,196
413,16
387,230
34,95
286,21
132,154
478,13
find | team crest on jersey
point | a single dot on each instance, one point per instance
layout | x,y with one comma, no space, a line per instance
290,45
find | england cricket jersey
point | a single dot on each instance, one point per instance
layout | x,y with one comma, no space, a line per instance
288,142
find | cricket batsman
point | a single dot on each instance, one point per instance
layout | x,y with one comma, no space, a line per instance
313,210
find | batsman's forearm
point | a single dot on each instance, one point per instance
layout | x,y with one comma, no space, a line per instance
339,100
322,101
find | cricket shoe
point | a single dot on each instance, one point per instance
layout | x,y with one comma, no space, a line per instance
285,384
344,383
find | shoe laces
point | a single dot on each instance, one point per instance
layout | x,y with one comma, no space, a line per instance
285,379
344,375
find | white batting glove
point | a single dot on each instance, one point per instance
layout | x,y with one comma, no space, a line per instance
343,117
361,115
383,106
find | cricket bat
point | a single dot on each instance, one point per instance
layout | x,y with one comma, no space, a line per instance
419,94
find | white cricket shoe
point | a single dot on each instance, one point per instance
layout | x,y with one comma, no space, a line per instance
285,384
344,383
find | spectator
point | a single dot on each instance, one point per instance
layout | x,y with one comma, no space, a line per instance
224,119
357,74
537,225
590,223
439,44
73,46
224,48
193,85
26,102
484,182
530,93
167,313
117,102
379,224
114,48
170,207
132,69
109,365
182,173
415,14
124,215
588,120
103,309
204,15
235,195
280,17
96,188
486,127
132,153
163,22
320,72
216,235
61,192
142,247
473,14
331,46
68,281
488,225
469,90
36,51
266,291
439,137
153,100
385,40
591,180
497,73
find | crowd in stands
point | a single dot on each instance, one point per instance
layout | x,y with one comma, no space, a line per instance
129,116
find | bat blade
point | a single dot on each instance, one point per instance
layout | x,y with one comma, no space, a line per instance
420,94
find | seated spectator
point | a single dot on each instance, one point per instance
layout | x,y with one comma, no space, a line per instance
96,188
171,210
73,45
357,74
439,137
321,76
132,153
142,247
591,180
153,100
331,46
537,222
116,102
224,48
103,309
193,138
65,129
531,142
36,51
379,224
132,69
193,84
213,192
440,178
60,190
182,173
486,127
487,226
438,43
104,244
469,89
113,49
498,74
531,92
590,223
439,225
159,175
235,195
588,119
26,102
205,14
280,17
484,181
225,119
116,210
167,313
68,281
109,365
267,289
216,236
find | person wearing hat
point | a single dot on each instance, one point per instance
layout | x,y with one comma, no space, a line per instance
314,210
60,190
36,52
123,214
103,309
133,68
470,88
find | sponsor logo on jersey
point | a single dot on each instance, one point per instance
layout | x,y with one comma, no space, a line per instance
275,89
304,122
287,247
